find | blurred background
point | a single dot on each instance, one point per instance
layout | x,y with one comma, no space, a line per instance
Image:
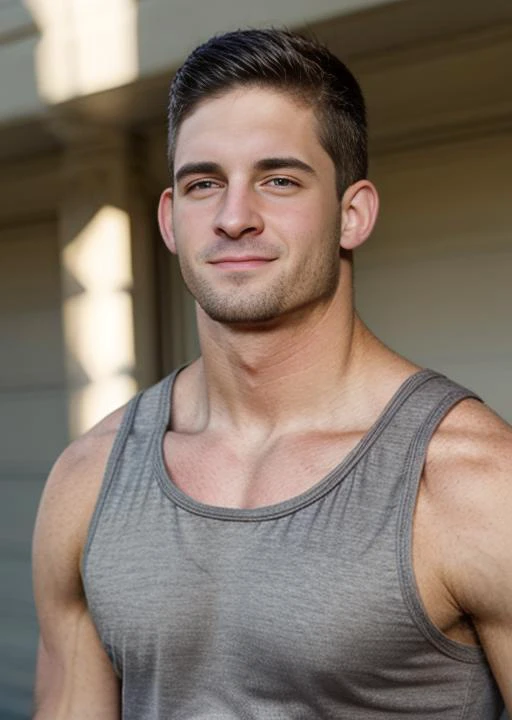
91,304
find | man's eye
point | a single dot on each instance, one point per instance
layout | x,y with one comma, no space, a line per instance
282,182
202,185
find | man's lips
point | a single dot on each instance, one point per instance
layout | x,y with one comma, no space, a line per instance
243,262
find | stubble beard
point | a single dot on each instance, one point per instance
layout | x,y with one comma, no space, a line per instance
313,281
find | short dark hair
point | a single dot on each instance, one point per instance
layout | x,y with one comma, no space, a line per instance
287,62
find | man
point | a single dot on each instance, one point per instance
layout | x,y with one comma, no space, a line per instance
301,523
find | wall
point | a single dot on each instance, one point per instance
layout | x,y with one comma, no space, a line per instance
33,407
434,280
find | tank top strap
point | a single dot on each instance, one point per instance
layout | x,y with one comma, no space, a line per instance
412,429
152,415
144,421
392,455
407,424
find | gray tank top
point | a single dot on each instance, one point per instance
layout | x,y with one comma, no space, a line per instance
304,609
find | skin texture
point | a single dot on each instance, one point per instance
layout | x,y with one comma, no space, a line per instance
289,371
287,211
74,677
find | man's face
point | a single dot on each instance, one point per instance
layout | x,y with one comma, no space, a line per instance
256,219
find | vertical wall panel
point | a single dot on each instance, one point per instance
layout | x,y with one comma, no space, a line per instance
33,429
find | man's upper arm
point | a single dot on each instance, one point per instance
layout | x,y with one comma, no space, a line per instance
473,484
487,584
75,680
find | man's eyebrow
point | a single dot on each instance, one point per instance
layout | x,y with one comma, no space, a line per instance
270,163
198,168
282,163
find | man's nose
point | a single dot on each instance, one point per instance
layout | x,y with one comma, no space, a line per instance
239,213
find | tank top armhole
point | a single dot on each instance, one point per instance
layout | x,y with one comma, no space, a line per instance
109,474
412,475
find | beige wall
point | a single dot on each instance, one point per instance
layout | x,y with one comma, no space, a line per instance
51,52
33,403
435,279
169,30
33,428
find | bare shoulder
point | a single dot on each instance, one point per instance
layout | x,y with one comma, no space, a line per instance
470,455
74,677
466,499
84,460
88,452
74,483
464,512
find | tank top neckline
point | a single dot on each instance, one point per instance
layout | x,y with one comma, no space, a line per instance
291,505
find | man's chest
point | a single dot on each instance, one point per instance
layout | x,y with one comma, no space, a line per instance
256,474
299,595
303,591
230,475
306,604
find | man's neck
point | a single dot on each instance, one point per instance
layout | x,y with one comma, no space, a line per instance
295,375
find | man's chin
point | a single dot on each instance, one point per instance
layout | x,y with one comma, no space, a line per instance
248,320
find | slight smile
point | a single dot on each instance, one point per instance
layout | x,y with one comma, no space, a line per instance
240,263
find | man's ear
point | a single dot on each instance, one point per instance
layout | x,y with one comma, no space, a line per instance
359,210
165,219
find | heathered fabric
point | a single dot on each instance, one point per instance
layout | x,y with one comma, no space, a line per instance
306,609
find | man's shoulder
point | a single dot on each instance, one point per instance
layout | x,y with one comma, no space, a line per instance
471,442
89,450
74,483
466,498
83,461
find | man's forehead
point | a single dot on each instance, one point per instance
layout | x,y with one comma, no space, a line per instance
265,120
253,93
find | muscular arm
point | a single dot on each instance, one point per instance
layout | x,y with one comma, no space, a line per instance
485,577
468,498
75,680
